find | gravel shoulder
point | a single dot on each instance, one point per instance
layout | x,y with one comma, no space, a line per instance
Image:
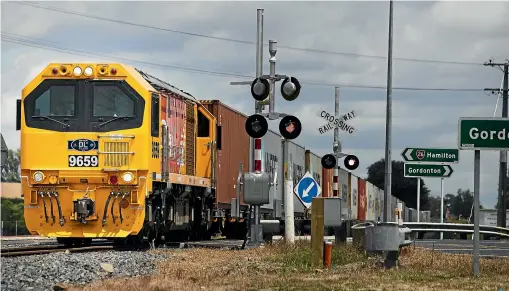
43,272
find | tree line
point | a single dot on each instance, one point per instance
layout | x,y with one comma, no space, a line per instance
11,168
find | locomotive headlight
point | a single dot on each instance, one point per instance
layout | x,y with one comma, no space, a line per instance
77,71
127,177
38,176
88,71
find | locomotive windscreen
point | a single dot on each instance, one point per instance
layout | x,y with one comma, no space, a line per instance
84,106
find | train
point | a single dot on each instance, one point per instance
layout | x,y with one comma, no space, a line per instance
109,151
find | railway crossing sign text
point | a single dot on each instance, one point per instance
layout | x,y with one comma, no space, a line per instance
427,170
432,155
336,121
307,189
483,133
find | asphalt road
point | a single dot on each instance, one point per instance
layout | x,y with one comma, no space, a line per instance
488,248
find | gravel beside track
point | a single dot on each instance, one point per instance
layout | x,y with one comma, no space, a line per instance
6,244
43,272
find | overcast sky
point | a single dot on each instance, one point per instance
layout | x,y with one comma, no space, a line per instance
465,32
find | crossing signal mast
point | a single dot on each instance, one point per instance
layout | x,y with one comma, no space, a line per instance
256,184
290,127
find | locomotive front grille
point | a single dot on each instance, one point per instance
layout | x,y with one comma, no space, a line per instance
116,153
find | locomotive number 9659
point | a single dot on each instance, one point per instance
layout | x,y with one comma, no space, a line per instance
83,161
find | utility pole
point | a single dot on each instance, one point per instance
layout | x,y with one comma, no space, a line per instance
388,127
501,211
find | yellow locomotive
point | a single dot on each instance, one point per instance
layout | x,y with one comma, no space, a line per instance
108,151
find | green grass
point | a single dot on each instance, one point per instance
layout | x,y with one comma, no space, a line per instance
298,256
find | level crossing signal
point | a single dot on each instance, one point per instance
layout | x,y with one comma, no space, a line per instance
290,127
256,126
260,89
290,88
328,161
351,162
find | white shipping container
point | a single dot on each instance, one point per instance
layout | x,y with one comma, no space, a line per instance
346,212
377,203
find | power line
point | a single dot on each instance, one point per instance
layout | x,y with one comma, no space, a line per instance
320,51
31,42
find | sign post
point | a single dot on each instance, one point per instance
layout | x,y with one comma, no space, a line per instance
481,133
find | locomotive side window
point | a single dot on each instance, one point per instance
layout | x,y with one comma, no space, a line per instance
219,136
110,100
203,125
56,101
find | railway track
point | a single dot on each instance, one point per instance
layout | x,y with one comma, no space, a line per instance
102,246
46,249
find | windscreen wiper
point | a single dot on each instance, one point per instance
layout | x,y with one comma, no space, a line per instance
49,118
113,119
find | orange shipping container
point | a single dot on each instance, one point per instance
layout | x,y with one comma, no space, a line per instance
232,149
361,212
326,182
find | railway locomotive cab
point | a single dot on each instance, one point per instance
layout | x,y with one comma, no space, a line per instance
108,151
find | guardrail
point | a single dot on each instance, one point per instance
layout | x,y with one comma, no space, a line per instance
455,227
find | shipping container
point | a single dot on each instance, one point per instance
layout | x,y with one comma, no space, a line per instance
377,203
362,205
346,212
232,149
326,182
354,183
370,211
272,162
297,159
394,205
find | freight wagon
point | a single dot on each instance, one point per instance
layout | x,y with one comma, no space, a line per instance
361,200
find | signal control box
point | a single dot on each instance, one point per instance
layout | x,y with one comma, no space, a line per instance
256,188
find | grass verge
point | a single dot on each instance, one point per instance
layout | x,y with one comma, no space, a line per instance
280,267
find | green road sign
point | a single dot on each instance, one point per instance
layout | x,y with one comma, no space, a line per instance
431,155
488,133
427,170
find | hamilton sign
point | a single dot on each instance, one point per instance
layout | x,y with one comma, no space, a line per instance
431,155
